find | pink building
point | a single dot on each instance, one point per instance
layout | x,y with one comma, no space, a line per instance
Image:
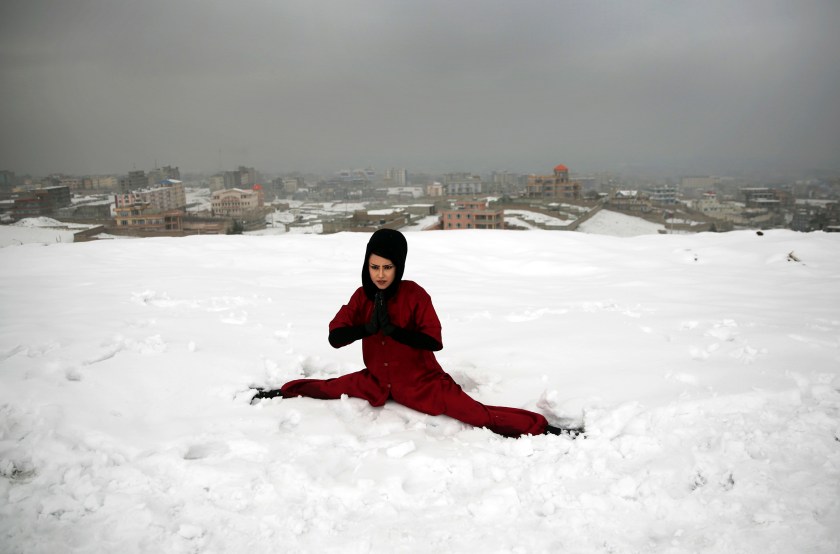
473,214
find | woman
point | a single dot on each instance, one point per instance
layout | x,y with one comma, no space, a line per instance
400,332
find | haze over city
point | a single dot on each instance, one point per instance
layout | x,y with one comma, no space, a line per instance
94,86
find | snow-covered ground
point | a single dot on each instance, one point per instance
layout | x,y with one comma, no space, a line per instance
199,199
616,224
705,367
533,220
39,230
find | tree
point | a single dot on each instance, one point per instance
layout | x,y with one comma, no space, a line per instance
237,228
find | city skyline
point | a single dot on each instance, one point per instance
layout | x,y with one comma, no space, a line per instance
95,87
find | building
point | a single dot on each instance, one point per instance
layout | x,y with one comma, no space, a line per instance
557,185
232,179
143,217
162,174
455,184
710,205
216,182
356,176
39,202
158,208
629,201
812,215
503,181
7,181
663,194
135,180
248,176
106,182
396,177
475,214
699,182
363,220
405,192
761,197
435,189
72,183
237,202
166,195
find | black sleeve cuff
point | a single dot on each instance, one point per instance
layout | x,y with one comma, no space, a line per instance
345,335
415,339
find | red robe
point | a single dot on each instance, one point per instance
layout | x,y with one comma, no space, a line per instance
408,375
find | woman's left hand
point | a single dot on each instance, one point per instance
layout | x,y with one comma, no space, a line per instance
381,311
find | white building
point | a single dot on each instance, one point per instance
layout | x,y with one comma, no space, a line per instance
396,177
232,202
166,195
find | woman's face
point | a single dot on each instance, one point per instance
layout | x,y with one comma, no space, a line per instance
382,271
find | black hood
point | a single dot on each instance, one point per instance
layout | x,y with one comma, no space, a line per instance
391,245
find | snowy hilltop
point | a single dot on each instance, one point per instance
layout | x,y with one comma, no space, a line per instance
705,368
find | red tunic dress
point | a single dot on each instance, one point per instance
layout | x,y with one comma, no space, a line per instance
409,375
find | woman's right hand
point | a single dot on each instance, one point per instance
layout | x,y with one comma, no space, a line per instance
372,326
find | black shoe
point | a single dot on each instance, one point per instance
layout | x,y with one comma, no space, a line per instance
570,431
262,393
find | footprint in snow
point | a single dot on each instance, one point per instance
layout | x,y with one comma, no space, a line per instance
206,450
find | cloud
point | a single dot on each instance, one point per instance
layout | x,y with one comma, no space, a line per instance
95,85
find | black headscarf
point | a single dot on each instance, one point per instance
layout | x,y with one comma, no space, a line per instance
391,245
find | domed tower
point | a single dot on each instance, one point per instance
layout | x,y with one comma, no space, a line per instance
561,172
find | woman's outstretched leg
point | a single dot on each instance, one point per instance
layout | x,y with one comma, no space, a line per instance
510,422
361,384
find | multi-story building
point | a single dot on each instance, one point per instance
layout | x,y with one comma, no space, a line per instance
104,182
166,195
812,215
162,174
504,181
475,214
761,197
236,202
557,185
396,177
455,184
142,217
7,180
158,208
232,179
435,189
663,194
216,182
699,182
45,201
248,176
709,204
72,183
135,180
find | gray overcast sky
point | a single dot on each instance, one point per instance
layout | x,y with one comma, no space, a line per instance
104,86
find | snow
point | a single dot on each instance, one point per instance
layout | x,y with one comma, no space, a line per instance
39,230
607,222
422,224
705,368
532,220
